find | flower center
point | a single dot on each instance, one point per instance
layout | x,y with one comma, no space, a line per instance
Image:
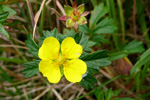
75,15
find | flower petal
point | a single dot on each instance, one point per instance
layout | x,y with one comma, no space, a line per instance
50,70
82,20
74,69
85,13
64,18
81,9
70,23
70,49
68,10
49,49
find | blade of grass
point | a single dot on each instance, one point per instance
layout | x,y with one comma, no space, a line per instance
121,19
12,60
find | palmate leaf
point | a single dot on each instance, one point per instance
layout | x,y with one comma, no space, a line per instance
32,46
134,47
107,25
94,62
88,81
81,39
96,55
46,34
98,12
31,68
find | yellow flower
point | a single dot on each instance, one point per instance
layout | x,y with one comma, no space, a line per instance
61,59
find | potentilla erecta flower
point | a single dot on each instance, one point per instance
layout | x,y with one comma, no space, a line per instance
74,15
58,60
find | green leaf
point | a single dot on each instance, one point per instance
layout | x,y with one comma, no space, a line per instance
96,55
107,25
98,12
46,34
89,44
83,28
31,68
88,82
134,47
143,60
99,94
98,63
33,48
117,55
82,39
3,16
3,31
8,9
99,39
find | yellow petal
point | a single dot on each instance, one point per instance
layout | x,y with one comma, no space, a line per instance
74,69
50,70
70,49
49,49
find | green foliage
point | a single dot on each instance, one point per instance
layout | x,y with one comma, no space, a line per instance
31,68
106,95
105,26
95,55
145,58
3,16
98,12
32,46
88,81
99,26
8,9
132,47
3,31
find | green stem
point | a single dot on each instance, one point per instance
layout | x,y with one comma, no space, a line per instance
42,20
121,19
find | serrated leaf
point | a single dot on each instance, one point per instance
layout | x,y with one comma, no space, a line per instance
98,63
88,82
89,44
32,46
81,39
98,12
96,55
99,39
31,68
46,34
8,9
84,28
134,47
3,16
3,31
107,25
117,55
